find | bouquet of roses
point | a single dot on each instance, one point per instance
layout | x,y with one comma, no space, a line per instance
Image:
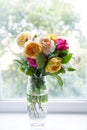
44,55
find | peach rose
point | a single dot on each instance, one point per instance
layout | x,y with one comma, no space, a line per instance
46,44
23,37
54,65
32,49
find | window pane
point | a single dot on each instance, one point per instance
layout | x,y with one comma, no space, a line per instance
61,17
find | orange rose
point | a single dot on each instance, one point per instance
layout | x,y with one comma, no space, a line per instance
46,44
32,49
23,37
54,65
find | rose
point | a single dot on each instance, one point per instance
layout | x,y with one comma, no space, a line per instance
23,37
32,49
53,65
47,45
62,44
53,37
32,62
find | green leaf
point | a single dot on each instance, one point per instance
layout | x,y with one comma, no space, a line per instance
22,69
29,71
71,69
29,98
63,53
24,62
41,60
18,61
66,58
36,90
43,87
59,79
62,70
43,98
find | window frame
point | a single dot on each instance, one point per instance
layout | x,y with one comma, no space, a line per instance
62,106
54,106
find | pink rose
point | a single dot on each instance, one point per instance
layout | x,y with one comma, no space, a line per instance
62,44
32,62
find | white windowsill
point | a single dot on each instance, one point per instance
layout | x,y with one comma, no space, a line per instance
66,106
10,121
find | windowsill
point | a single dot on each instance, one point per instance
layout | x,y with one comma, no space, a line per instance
12,121
63,106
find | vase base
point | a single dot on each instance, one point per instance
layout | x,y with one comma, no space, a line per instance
37,124
37,127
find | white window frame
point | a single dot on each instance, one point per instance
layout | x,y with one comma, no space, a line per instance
58,106
62,106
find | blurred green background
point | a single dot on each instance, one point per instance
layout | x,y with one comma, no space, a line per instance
52,16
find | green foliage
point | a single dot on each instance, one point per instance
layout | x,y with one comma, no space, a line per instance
41,60
63,53
37,83
53,54
59,79
25,68
44,17
36,99
71,69
62,70
66,58
29,71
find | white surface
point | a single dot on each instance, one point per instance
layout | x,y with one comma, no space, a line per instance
60,105
53,122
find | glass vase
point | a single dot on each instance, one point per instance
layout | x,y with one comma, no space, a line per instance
37,98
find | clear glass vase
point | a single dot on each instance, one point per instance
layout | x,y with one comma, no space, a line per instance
37,98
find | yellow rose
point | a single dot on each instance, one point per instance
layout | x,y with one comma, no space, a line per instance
32,49
46,44
54,65
23,37
53,37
